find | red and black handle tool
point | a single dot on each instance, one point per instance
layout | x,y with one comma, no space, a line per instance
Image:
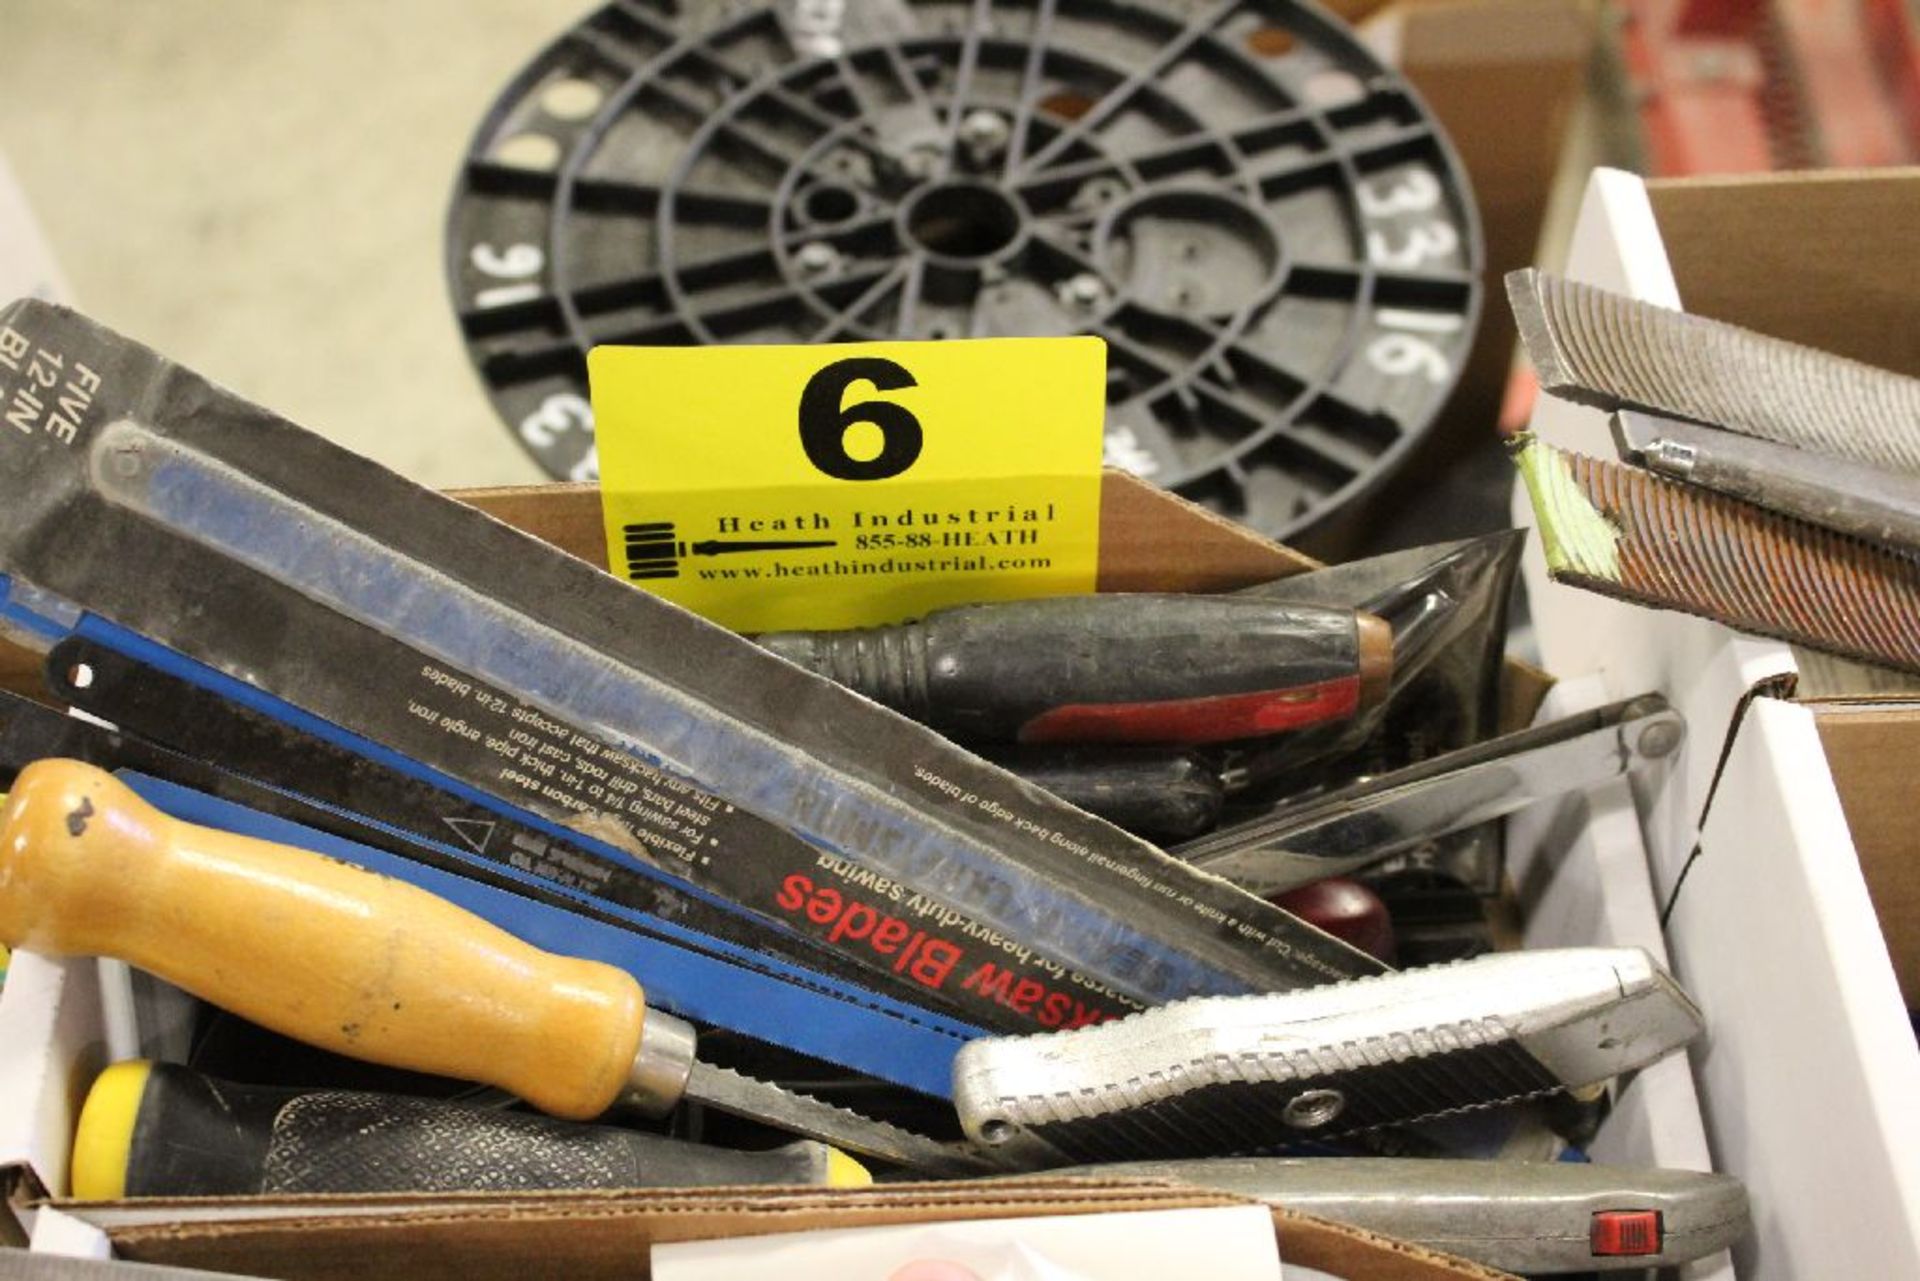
1112,668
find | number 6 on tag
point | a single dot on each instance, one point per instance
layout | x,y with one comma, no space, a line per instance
846,485
824,423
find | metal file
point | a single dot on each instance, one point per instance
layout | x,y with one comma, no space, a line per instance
1872,502
1622,532
1604,349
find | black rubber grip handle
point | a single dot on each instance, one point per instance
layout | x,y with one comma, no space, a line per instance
1162,795
193,1135
1117,668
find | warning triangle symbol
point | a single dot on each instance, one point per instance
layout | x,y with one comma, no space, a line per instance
475,832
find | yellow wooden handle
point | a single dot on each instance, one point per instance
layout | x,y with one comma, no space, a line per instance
317,949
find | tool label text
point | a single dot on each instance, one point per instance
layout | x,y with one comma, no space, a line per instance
844,919
49,395
874,481
1031,997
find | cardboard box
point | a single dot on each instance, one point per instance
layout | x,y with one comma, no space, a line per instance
1580,865
609,1234
1581,862
1788,820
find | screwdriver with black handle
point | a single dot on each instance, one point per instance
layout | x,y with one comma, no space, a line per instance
161,1129
1112,668
1160,794
368,966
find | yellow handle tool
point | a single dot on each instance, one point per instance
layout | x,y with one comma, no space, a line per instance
319,950
363,964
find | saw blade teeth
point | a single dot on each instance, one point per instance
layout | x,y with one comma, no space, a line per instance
1600,348
749,1096
1689,549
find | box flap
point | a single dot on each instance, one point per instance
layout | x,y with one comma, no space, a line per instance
1871,749
585,1235
1809,1083
1150,540
1828,259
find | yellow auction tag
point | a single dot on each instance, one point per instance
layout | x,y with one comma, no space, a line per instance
852,484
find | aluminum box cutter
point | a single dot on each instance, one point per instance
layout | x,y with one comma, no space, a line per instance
1530,1217
1223,1076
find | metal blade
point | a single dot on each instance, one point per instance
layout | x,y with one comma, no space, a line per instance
1373,819
1621,532
1875,503
730,1092
1604,349
25,1266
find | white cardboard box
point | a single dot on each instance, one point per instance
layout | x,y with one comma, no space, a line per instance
1809,1074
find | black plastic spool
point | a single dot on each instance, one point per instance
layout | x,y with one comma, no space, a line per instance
1267,227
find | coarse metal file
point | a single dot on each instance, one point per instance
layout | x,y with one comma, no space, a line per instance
1601,348
1622,532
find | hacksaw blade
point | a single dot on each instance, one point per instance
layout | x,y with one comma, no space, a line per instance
1625,533
1604,349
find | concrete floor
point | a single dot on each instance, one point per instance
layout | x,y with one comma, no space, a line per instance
257,188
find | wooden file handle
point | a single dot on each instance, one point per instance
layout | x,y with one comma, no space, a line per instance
317,949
